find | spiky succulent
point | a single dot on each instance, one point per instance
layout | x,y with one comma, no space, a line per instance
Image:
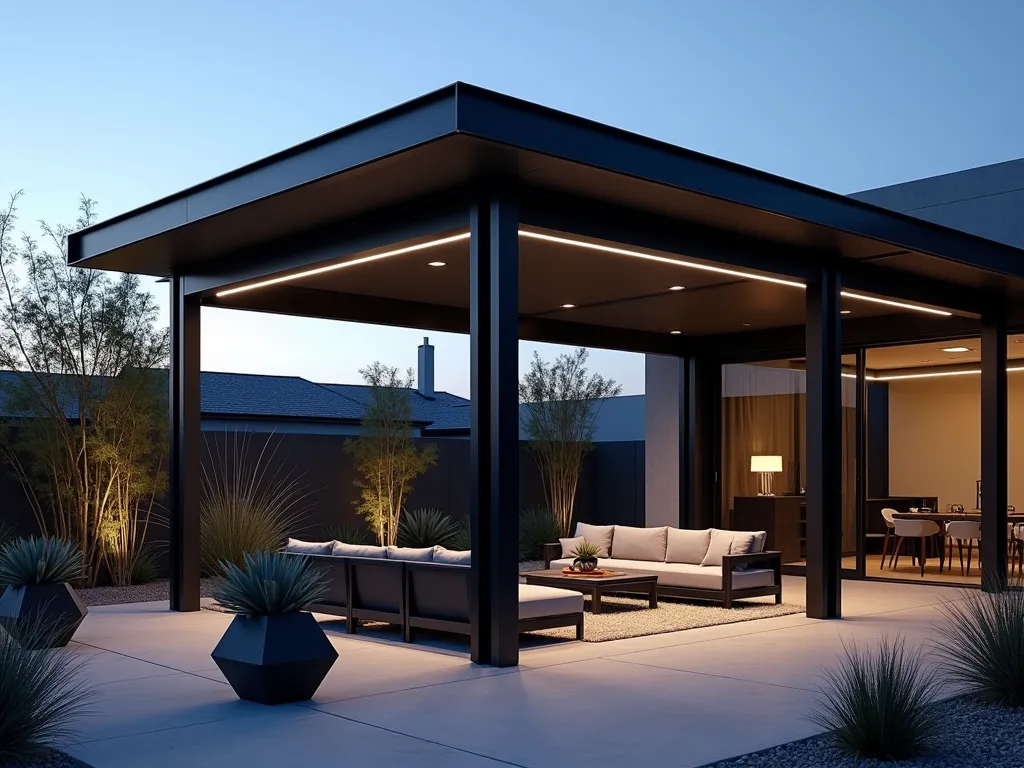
425,528
586,551
269,584
39,560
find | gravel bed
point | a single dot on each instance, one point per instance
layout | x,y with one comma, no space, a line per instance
531,565
137,593
974,735
52,759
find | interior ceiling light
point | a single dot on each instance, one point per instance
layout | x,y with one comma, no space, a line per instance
437,263
957,349
568,306
345,264
936,374
845,311
675,333
677,288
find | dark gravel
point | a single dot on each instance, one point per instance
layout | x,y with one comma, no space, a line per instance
137,593
52,759
974,735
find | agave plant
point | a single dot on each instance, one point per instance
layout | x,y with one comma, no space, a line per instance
425,528
462,540
38,560
269,584
981,644
252,500
880,703
585,556
43,693
537,526
349,534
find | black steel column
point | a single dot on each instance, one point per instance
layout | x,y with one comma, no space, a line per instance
993,454
824,481
185,446
494,431
861,462
700,457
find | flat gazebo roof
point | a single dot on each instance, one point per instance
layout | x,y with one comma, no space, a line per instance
469,211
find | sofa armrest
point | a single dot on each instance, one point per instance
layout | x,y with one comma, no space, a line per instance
767,558
551,552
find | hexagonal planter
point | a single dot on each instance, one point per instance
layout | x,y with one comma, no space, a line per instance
275,659
58,604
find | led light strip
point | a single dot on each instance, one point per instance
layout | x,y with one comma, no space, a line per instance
936,374
578,244
661,259
344,264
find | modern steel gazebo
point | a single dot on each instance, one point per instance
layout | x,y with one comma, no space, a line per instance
469,211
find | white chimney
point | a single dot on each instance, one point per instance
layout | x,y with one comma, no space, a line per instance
425,383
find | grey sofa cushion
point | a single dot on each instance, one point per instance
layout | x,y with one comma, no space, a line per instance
687,574
411,554
536,601
687,546
599,535
757,546
300,547
358,550
452,556
721,542
631,543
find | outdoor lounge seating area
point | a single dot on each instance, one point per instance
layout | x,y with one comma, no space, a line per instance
416,589
710,564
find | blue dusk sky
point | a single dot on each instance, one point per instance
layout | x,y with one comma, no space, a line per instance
130,101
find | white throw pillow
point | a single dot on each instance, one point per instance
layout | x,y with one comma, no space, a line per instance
569,546
412,554
721,541
631,543
452,556
300,547
598,535
687,546
358,550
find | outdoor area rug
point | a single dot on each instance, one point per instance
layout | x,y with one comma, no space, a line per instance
624,617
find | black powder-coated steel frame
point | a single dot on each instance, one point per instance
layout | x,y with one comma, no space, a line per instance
993,455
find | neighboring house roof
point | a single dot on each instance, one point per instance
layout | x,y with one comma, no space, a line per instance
290,397
10,381
443,409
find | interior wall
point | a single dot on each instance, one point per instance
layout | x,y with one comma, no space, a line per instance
935,438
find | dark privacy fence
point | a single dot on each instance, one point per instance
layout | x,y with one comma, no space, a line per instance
611,490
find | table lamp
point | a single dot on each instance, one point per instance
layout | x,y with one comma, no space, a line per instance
766,466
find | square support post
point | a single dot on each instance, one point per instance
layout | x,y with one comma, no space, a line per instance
666,478
703,424
494,431
993,454
185,447
861,461
824,446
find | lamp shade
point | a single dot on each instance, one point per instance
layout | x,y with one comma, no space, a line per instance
765,463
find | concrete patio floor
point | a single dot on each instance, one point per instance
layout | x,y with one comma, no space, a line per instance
678,699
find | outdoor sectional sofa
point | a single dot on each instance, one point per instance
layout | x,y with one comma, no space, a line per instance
710,564
420,589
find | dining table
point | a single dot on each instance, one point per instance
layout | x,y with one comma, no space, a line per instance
942,517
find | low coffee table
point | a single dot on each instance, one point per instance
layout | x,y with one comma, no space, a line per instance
596,586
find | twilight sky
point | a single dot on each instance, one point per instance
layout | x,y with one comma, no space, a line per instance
128,102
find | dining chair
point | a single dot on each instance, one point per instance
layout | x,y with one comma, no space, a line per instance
887,514
1015,546
915,529
961,531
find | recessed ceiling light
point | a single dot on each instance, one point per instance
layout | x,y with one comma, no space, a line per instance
677,288
957,349
568,306
745,325
437,263
845,311
675,333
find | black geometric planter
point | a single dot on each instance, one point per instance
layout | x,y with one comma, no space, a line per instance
58,605
275,659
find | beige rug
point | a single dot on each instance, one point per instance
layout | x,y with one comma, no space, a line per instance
623,617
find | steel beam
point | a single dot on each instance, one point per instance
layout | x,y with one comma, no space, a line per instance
993,454
824,447
185,447
494,431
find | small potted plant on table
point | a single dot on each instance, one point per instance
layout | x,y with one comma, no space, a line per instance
585,557
36,572
273,652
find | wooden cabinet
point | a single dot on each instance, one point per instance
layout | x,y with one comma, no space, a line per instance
783,518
